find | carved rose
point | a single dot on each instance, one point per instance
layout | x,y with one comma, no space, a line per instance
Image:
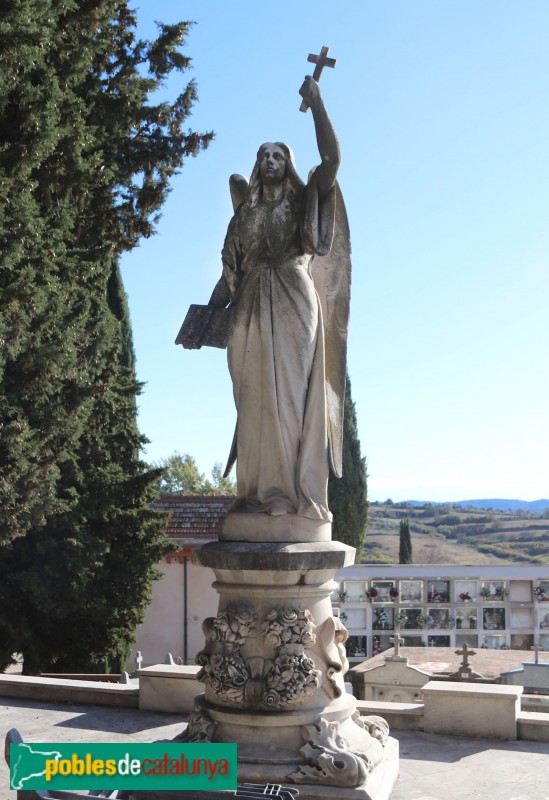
284,626
271,698
244,615
233,625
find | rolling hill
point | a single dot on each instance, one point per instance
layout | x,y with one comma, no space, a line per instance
459,533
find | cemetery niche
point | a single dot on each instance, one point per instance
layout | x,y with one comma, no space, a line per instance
439,592
385,591
411,591
384,619
494,619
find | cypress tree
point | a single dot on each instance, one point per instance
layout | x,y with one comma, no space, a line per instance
85,164
347,496
405,543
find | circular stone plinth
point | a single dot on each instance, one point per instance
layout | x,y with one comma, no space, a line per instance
274,555
254,527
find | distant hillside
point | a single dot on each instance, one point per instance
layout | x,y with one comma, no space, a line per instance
459,533
537,506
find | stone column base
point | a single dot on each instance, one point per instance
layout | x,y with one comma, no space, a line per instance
273,667
379,785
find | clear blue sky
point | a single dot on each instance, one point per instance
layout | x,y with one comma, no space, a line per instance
442,112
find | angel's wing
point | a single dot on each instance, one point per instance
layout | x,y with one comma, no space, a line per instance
332,278
238,185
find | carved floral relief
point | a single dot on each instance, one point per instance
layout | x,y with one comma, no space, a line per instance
285,678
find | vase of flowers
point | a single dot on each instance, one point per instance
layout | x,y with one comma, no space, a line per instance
465,597
382,618
393,593
472,621
459,621
401,618
372,593
539,593
501,592
486,592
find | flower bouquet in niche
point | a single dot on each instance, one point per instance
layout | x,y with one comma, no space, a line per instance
465,597
372,593
393,593
472,620
401,618
539,593
423,620
382,619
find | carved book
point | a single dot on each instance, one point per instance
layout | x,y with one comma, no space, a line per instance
206,325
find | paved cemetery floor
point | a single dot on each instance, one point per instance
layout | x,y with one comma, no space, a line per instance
431,768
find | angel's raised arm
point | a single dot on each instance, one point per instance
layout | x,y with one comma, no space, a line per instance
328,146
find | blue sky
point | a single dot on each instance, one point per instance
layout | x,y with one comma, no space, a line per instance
442,113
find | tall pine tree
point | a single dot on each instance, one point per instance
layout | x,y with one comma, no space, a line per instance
348,496
85,164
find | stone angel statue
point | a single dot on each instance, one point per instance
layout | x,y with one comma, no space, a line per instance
286,282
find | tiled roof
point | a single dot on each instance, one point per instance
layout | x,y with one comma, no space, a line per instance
193,516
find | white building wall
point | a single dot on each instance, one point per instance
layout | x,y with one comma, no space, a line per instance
162,630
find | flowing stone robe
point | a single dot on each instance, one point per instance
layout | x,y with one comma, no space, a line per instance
276,351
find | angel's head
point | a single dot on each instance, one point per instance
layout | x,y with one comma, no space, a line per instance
272,163
275,163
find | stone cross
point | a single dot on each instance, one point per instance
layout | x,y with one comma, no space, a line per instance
321,61
465,652
397,641
535,648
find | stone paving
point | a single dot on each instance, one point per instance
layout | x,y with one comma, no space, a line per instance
431,768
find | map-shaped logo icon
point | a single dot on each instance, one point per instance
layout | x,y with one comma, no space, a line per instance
29,762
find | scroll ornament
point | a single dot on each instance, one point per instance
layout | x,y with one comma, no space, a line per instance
329,759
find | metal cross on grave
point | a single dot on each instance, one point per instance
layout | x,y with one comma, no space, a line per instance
321,61
465,652
397,640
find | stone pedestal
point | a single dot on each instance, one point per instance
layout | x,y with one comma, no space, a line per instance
168,687
485,711
273,668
